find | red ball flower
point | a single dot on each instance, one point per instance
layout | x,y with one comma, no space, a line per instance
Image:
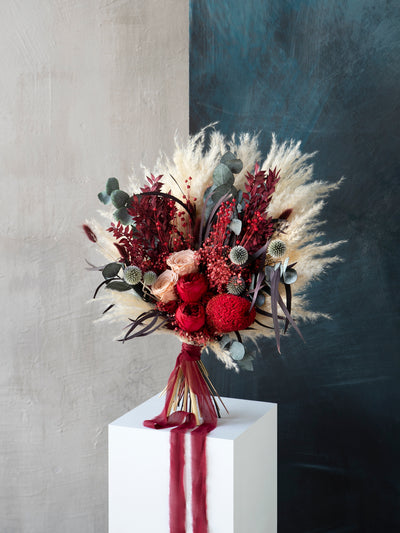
227,312
190,317
192,287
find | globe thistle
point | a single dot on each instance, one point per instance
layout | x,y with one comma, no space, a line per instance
149,278
132,275
238,255
276,248
236,286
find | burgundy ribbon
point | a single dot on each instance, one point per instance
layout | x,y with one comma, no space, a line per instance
183,421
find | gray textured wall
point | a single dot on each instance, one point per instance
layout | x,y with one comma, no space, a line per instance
89,89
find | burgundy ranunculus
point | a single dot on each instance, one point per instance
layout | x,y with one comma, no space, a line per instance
190,316
192,287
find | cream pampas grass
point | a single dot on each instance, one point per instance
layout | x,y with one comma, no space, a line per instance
296,190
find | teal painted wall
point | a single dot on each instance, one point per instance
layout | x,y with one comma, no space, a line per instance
326,73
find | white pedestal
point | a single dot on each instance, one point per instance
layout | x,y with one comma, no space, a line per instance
241,471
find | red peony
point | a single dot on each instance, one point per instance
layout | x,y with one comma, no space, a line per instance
227,312
192,287
190,317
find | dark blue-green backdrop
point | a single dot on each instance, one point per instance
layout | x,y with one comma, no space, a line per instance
327,73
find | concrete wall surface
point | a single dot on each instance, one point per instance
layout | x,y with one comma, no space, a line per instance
89,89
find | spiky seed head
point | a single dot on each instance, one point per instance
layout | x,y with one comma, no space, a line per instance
132,275
276,248
238,255
236,286
149,278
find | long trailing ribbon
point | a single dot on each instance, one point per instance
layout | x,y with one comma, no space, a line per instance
182,421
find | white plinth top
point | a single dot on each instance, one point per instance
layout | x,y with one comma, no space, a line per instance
242,415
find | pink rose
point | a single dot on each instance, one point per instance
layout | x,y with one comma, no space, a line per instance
164,287
183,262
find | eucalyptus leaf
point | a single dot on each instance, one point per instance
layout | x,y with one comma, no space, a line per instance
111,270
236,226
118,286
123,216
268,271
285,264
225,339
111,185
260,300
104,197
228,156
290,276
237,350
234,165
222,175
119,198
221,190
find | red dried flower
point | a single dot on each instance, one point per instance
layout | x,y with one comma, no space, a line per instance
89,233
227,312
190,316
169,307
192,287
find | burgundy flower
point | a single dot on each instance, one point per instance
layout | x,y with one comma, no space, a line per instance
192,287
190,316
227,312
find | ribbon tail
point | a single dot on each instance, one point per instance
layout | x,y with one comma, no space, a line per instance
187,385
199,477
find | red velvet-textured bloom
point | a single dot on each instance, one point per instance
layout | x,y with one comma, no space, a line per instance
190,317
192,287
227,312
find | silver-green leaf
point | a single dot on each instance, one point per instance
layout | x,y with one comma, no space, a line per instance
103,197
119,286
123,216
222,175
234,165
236,226
290,276
111,185
228,156
119,198
111,270
237,350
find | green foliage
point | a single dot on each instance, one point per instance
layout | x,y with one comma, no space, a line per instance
222,176
234,165
237,350
119,198
122,215
289,276
118,285
111,270
103,197
111,185
236,226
